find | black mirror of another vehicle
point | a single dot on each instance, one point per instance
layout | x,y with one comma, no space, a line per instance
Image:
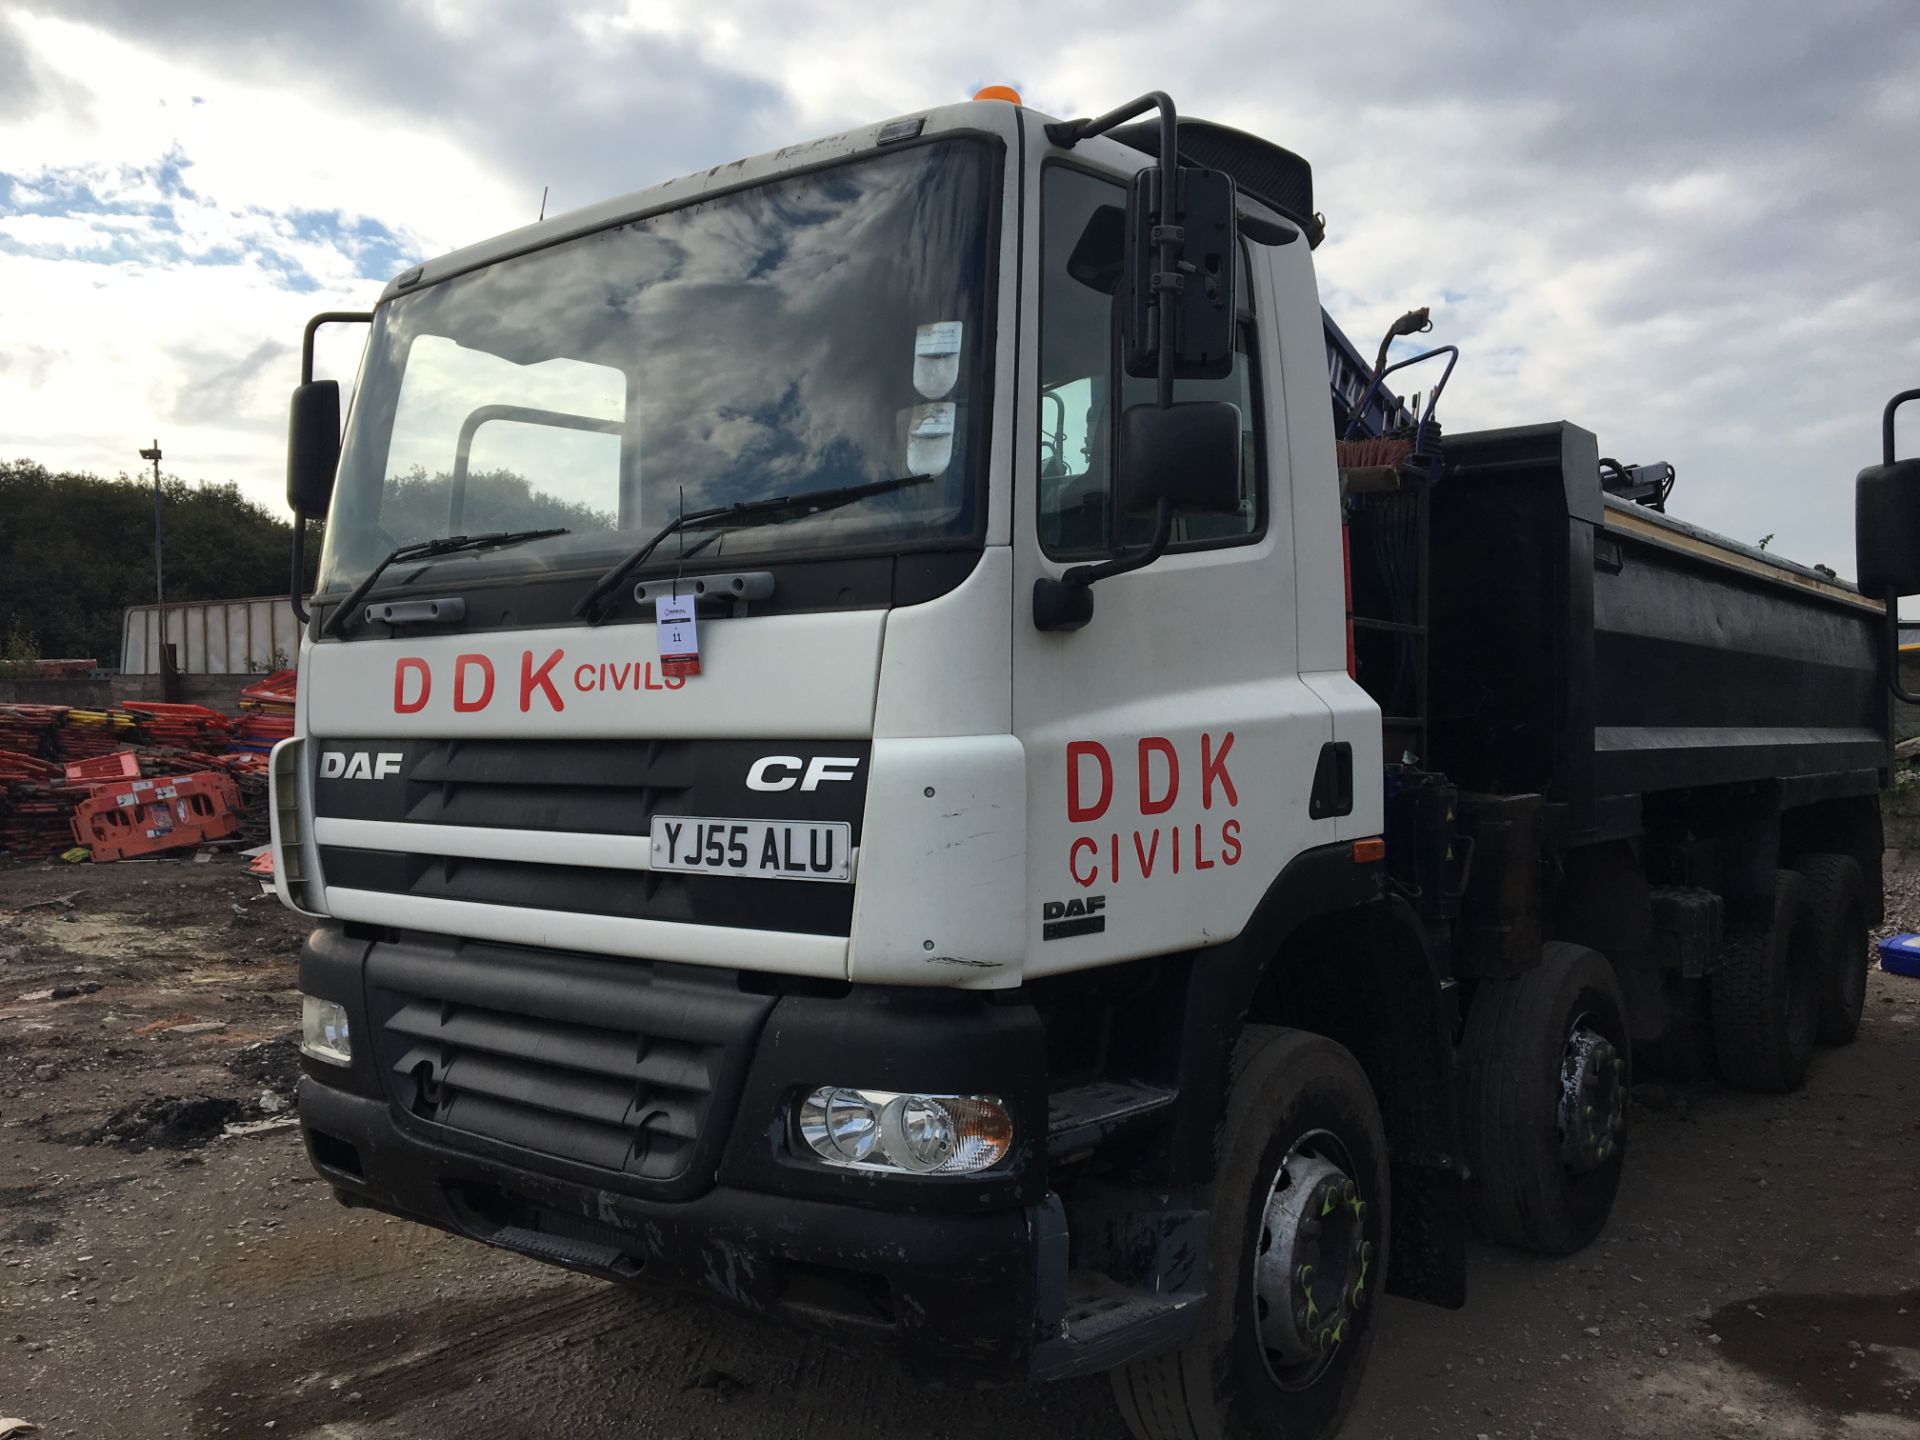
1886,539
1886,529
1186,454
313,447
1886,518
1200,227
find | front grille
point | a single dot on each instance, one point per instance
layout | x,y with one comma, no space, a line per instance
626,1069
788,905
600,787
520,791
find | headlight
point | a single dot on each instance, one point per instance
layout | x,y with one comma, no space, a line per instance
323,1031
840,1125
917,1134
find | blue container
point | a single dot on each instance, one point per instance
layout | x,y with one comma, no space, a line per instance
1901,955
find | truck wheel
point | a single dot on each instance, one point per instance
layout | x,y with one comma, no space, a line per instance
1766,995
1547,1062
1297,1255
1839,898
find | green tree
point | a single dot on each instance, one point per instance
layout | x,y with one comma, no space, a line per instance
77,549
418,506
19,655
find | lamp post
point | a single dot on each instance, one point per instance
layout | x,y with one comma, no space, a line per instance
159,585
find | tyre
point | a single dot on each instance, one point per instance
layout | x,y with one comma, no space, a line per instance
1838,895
1548,1062
1297,1255
1766,995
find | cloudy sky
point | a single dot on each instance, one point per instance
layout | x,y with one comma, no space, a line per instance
1694,229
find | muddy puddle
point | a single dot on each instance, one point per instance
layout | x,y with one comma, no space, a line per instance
1846,1354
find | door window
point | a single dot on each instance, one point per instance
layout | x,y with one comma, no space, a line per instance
1082,229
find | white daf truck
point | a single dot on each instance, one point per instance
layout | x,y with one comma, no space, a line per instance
863,748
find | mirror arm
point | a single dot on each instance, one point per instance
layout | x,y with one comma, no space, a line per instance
1886,423
1066,603
1891,650
325,317
1069,133
294,586
1168,239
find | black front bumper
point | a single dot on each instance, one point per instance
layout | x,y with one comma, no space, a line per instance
949,1271
946,1288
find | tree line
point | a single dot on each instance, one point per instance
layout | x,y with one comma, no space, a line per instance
76,549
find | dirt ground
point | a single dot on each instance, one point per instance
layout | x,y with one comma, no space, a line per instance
169,1266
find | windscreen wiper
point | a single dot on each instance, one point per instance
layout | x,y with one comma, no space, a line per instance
769,510
421,550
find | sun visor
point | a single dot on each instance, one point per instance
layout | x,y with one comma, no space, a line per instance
1260,168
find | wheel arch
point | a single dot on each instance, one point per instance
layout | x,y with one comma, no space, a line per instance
1366,979
1330,951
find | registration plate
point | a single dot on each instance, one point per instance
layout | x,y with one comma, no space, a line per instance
759,849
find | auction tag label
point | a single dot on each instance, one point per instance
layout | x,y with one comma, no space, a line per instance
679,635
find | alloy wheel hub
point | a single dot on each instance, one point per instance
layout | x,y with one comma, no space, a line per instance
1310,1268
1593,1100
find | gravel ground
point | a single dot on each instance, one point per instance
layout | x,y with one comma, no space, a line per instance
169,1265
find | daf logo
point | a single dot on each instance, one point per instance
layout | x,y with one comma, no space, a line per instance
783,772
359,765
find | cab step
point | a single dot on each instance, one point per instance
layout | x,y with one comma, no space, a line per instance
1085,1116
1107,1324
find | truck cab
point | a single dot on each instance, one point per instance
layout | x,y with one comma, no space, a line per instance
831,770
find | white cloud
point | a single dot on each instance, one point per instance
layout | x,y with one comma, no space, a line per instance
57,232
208,175
253,141
1709,263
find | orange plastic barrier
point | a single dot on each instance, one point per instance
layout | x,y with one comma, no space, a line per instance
120,765
139,817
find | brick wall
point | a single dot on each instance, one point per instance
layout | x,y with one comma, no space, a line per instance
216,692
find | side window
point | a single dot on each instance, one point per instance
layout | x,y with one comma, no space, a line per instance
1081,234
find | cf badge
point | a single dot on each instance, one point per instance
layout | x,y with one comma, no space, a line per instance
783,772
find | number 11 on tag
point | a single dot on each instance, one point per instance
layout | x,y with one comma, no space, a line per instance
679,637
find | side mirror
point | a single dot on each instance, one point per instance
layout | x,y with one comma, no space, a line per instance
1886,538
1886,530
1185,251
313,447
1186,454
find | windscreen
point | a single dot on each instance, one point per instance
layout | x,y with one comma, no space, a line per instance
819,331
